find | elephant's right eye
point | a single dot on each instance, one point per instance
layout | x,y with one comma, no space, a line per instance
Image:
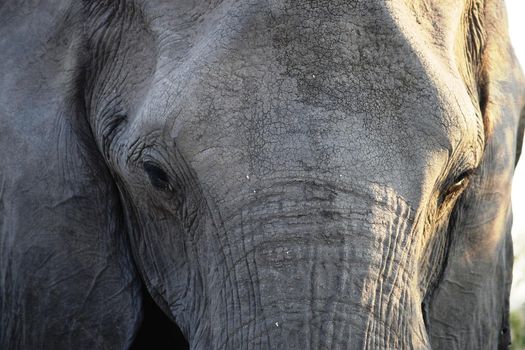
157,176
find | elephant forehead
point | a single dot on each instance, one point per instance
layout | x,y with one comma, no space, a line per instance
255,90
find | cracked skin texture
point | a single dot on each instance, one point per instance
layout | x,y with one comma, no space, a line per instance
251,174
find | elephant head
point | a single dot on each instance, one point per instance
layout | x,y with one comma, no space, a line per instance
278,174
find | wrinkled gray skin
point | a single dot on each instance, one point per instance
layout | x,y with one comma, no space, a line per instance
276,174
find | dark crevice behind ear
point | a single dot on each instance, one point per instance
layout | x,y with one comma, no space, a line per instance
157,331
483,97
521,129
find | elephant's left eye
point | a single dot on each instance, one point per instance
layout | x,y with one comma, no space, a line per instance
157,176
461,181
457,187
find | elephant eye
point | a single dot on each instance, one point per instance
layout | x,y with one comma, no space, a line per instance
459,184
462,179
157,176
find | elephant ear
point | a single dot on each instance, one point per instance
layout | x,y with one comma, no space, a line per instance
66,276
469,308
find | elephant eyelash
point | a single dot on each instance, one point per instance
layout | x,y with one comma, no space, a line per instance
157,176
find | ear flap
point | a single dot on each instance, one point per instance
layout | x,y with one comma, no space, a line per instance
67,280
469,308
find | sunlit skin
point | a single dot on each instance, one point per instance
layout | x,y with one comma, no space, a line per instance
246,174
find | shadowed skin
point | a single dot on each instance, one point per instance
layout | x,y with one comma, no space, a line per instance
276,174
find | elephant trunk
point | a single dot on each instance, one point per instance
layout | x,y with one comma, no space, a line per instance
314,266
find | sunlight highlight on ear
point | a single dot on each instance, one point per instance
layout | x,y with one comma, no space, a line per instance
515,10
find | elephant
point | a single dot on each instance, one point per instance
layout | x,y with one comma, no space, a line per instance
257,174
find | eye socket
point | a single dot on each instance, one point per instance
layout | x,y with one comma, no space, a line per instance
157,176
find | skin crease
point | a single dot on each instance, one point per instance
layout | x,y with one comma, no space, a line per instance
266,174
